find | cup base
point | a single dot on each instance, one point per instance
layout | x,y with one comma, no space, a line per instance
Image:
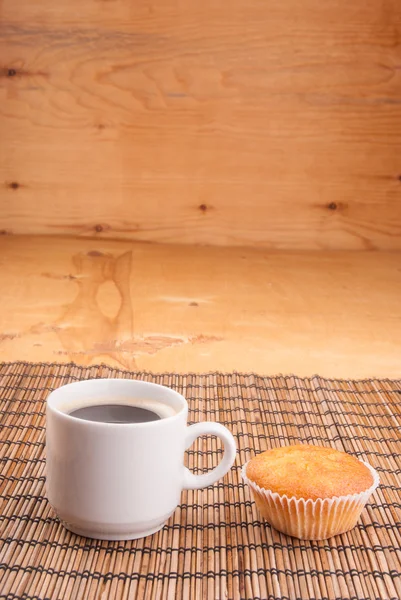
97,535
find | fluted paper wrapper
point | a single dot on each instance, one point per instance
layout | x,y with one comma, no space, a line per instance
311,519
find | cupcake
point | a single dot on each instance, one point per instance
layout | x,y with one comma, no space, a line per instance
310,492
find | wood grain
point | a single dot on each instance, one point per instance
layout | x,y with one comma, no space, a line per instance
155,307
254,123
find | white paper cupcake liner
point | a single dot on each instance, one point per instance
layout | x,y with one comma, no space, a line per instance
311,519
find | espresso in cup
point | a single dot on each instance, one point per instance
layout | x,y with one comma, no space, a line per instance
131,411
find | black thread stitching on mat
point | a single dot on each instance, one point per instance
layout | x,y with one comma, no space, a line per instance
18,497
103,366
194,468
374,505
240,434
183,506
268,424
45,521
219,485
97,547
20,443
310,438
26,388
393,574
263,401
34,461
16,413
339,402
22,461
187,507
28,427
200,527
221,383
26,478
384,470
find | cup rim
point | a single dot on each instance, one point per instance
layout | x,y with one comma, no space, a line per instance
54,396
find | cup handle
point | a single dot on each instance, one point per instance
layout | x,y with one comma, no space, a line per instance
194,482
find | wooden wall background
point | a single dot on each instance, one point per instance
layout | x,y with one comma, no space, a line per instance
259,122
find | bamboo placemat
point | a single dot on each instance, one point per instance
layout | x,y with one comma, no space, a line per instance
215,546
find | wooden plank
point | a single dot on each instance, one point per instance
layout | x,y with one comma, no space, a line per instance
155,307
265,124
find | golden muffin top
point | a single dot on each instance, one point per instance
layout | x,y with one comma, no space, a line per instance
306,471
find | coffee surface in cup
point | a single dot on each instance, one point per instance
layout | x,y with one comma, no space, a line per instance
115,413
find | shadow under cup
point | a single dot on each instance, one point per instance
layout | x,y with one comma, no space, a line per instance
118,481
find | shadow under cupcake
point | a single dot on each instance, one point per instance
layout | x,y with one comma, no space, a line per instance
310,492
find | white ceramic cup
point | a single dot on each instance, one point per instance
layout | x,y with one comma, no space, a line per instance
116,481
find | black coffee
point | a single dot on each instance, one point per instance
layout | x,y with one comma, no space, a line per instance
115,413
